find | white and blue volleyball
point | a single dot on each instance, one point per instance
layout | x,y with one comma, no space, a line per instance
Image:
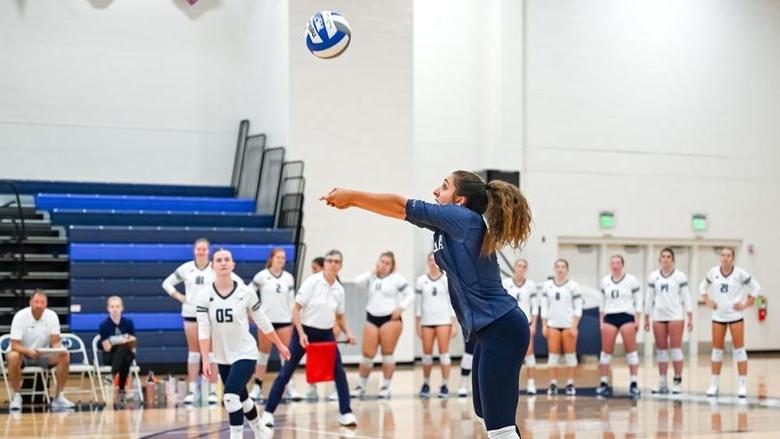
327,34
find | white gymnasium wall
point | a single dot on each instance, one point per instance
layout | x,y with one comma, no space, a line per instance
137,91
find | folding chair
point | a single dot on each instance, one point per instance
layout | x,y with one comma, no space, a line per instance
106,369
34,371
79,364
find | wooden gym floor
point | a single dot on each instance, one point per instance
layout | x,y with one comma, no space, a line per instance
405,416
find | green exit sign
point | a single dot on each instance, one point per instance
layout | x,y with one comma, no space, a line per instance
699,222
607,220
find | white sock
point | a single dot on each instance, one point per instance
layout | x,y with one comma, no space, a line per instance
662,381
236,431
714,380
530,382
633,379
386,382
743,380
362,382
569,381
605,380
426,380
508,432
553,382
193,387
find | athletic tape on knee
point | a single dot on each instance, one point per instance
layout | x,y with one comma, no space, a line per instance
388,359
427,360
193,357
632,358
530,361
740,354
677,354
262,358
367,361
444,359
466,361
232,402
552,359
662,355
605,358
571,359
247,405
717,355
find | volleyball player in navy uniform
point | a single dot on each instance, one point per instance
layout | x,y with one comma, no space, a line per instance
471,220
223,318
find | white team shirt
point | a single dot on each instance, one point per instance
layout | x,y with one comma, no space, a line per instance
668,297
432,301
728,290
320,301
385,294
34,334
226,321
561,303
195,279
277,294
525,294
621,295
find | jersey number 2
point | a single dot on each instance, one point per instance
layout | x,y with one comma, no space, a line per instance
224,315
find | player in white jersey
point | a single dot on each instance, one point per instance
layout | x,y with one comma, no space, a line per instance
276,290
388,295
561,310
224,309
668,302
621,310
435,322
728,290
196,275
524,291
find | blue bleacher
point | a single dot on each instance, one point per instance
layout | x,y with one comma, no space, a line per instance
107,234
144,321
166,252
147,270
88,217
50,201
32,187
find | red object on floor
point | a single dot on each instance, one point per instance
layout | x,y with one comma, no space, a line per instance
320,362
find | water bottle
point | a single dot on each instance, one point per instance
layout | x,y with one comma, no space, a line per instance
170,390
149,389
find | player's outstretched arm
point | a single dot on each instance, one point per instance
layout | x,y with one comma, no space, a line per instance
391,205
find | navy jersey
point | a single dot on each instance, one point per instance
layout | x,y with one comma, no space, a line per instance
109,328
476,292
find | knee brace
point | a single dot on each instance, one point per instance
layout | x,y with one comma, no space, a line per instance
466,361
552,359
232,402
366,361
388,359
444,359
262,358
193,357
571,359
632,358
247,405
740,354
427,360
662,355
530,360
605,358
677,354
717,355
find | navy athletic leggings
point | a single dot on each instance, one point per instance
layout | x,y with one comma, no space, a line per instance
498,355
234,378
296,354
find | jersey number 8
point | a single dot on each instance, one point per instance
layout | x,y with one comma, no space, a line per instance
224,315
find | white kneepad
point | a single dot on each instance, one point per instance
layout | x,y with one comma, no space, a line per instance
444,359
530,360
262,358
717,355
552,359
740,354
367,361
193,357
677,354
571,360
427,360
662,355
466,361
232,402
388,359
605,358
632,358
247,405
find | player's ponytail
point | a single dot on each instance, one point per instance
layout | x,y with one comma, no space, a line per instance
502,204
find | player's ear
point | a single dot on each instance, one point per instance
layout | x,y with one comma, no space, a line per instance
460,200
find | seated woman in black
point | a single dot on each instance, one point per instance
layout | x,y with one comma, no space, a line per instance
117,338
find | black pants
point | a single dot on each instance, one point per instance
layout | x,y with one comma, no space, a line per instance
120,358
234,378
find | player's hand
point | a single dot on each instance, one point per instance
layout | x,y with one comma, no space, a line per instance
304,340
33,354
739,306
338,198
532,330
453,332
419,330
351,339
711,303
283,351
206,367
396,315
574,331
179,296
690,325
647,325
545,331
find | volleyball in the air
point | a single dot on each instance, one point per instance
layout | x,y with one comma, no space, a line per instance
327,34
